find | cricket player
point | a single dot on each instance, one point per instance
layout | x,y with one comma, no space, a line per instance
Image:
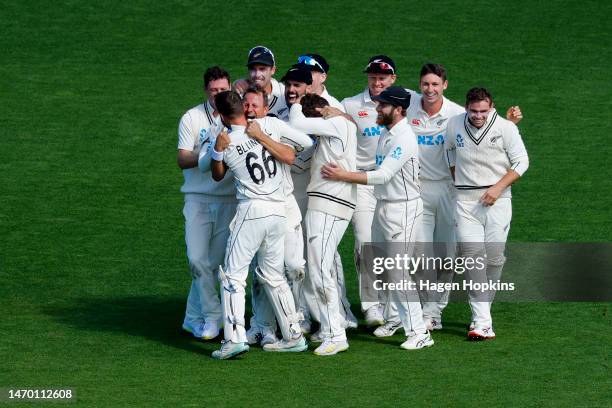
262,66
330,207
399,210
209,208
263,324
486,154
381,74
319,68
258,228
428,116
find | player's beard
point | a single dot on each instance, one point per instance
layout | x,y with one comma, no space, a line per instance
384,119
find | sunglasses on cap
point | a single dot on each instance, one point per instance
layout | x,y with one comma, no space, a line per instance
262,49
381,65
305,59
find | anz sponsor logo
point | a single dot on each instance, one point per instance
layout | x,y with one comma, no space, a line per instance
373,131
459,140
431,140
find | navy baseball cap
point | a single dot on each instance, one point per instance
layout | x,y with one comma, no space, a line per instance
314,62
380,64
298,73
394,95
261,55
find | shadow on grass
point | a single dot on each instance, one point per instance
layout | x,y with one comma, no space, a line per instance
155,318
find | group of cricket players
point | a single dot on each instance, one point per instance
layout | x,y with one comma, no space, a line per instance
276,170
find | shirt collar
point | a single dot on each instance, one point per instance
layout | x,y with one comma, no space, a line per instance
492,114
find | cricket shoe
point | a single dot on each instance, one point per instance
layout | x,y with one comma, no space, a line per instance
418,341
388,329
317,337
472,325
433,324
253,335
284,346
329,347
306,326
196,328
373,316
210,330
349,324
230,349
481,333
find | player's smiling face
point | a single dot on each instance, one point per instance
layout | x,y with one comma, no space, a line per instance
254,106
261,75
385,114
294,91
478,112
379,82
214,87
432,88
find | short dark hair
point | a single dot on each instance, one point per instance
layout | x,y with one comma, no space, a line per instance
229,104
436,69
310,103
478,94
254,89
214,73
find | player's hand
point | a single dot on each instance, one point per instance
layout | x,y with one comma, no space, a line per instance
514,114
222,142
329,112
240,85
254,130
490,196
332,171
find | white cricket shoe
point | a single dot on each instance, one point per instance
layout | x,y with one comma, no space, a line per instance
388,329
210,330
284,346
374,317
418,341
433,324
317,337
268,338
349,323
329,347
229,349
253,335
306,326
481,333
196,328
472,325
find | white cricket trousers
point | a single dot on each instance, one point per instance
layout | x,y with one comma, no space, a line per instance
483,231
400,222
362,230
439,203
206,233
324,232
257,229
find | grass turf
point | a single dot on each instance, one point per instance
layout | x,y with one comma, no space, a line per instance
92,265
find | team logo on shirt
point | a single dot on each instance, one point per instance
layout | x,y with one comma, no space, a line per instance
416,122
493,140
440,122
397,153
459,140
202,137
362,114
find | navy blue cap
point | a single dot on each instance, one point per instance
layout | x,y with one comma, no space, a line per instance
394,95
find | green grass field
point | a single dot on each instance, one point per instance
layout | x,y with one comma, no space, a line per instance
93,272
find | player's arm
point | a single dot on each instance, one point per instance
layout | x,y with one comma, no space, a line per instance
204,159
218,167
186,158
300,141
450,150
281,152
519,163
316,126
329,112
